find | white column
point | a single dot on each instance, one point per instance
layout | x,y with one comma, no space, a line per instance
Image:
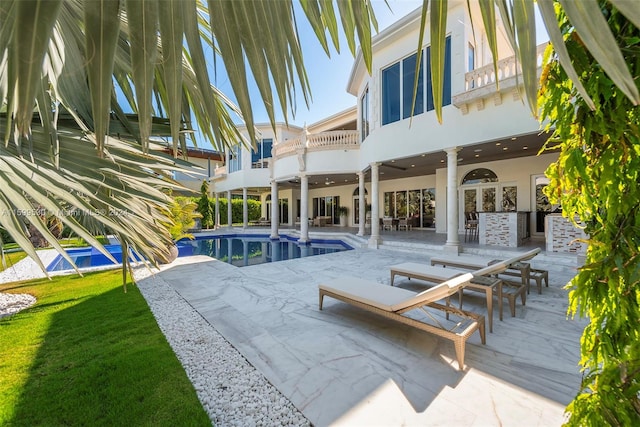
453,241
374,240
216,221
275,212
229,211
362,215
304,209
245,209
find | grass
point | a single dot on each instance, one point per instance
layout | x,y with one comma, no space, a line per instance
11,258
89,354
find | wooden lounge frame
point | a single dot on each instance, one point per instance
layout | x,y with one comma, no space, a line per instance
516,265
480,281
393,303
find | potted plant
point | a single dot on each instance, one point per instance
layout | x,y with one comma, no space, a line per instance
342,212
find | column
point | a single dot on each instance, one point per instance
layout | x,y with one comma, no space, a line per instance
362,216
229,211
375,239
245,209
304,209
216,221
453,241
275,211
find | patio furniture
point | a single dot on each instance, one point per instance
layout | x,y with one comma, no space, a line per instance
517,266
403,223
488,285
471,227
321,221
394,303
387,224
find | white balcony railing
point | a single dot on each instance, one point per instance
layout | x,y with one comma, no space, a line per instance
331,140
220,171
507,67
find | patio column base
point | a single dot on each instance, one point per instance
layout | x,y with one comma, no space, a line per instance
452,248
374,242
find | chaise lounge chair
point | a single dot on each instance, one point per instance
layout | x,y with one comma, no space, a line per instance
480,282
394,303
517,266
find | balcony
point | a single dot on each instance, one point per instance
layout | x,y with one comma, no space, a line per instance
480,84
219,172
331,140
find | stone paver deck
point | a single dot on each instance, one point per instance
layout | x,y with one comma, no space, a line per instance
345,366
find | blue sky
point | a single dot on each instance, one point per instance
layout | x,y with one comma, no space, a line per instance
327,76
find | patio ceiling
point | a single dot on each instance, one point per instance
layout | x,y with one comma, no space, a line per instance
427,163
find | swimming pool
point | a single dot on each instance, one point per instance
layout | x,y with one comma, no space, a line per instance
245,250
237,249
87,257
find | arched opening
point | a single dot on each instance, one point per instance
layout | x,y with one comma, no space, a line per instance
356,204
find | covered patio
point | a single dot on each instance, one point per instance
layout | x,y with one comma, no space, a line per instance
345,366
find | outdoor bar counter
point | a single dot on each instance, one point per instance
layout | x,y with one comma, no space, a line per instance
509,229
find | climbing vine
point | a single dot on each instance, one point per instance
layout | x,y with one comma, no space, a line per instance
597,182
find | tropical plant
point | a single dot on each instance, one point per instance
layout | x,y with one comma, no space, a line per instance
590,97
182,213
596,181
342,211
204,206
68,144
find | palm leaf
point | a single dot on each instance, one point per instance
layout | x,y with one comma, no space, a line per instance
102,26
34,20
172,32
524,19
143,34
438,27
551,24
589,22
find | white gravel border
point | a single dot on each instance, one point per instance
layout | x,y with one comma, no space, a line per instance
232,391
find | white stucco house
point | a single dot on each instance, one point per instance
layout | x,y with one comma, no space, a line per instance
482,158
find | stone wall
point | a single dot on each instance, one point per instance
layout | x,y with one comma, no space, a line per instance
562,236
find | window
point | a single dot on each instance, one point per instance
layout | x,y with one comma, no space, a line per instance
391,94
416,205
364,114
471,65
398,81
235,159
480,176
446,87
326,206
263,152
408,80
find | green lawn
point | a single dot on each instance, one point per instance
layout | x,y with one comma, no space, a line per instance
89,354
12,258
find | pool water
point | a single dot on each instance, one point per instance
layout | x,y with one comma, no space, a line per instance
239,250
246,250
87,257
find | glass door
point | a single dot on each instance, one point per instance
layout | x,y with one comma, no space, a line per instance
541,204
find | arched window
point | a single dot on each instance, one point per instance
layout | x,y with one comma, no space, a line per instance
479,176
356,192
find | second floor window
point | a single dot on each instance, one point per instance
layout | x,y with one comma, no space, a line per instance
263,152
397,86
235,159
364,114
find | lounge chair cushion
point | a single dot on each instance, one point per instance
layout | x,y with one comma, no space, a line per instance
390,298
